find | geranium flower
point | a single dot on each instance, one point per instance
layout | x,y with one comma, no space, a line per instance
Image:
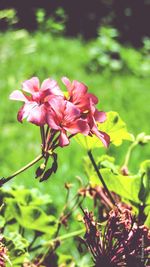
64,116
35,107
78,94
86,102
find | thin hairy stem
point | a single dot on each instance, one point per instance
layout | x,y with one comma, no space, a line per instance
129,152
42,131
30,164
101,178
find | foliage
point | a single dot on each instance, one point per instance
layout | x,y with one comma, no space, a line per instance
113,126
9,15
54,24
26,216
22,56
107,54
132,188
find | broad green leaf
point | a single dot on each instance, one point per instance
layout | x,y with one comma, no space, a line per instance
65,260
114,126
30,217
17,247
2,221
126,186
147,221
33,196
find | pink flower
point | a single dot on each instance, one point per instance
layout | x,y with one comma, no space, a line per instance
64,116
94,117
78,94
86,102
35,102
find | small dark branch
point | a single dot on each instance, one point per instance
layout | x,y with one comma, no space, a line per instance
49,139
101,178
42,136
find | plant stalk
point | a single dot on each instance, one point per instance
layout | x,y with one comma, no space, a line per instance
101,178
30,164
64,237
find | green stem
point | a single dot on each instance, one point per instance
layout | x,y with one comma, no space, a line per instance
101,178
129,152
42,131
58,239
5,180
64,237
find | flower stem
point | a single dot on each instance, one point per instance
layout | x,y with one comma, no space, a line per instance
42,131
64,237
129,152
100,177
5,180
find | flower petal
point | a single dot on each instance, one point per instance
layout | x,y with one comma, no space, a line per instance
66,82
25,110
93,98
52,85
18,95
79,88
57,104
52,120
71,112
20,114
63,139
105,138
79,126
31,86
99,116
37,115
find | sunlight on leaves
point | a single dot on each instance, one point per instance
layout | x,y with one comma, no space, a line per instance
114,126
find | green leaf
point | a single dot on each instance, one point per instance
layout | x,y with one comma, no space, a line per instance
17,247
126,186
2,221
31,217
32,196
114,126
147,221
145,189
65,260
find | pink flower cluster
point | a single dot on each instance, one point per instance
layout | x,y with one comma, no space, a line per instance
71,114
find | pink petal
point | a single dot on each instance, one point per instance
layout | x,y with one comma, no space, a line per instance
79,126
52,120
18,95
63,139
79,88
20,114
37,115
52,85
31,86
66,82
99,116
93,98
25,110
71,112
58,104
105,138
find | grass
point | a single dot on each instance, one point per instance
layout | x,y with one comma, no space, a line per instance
23,55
